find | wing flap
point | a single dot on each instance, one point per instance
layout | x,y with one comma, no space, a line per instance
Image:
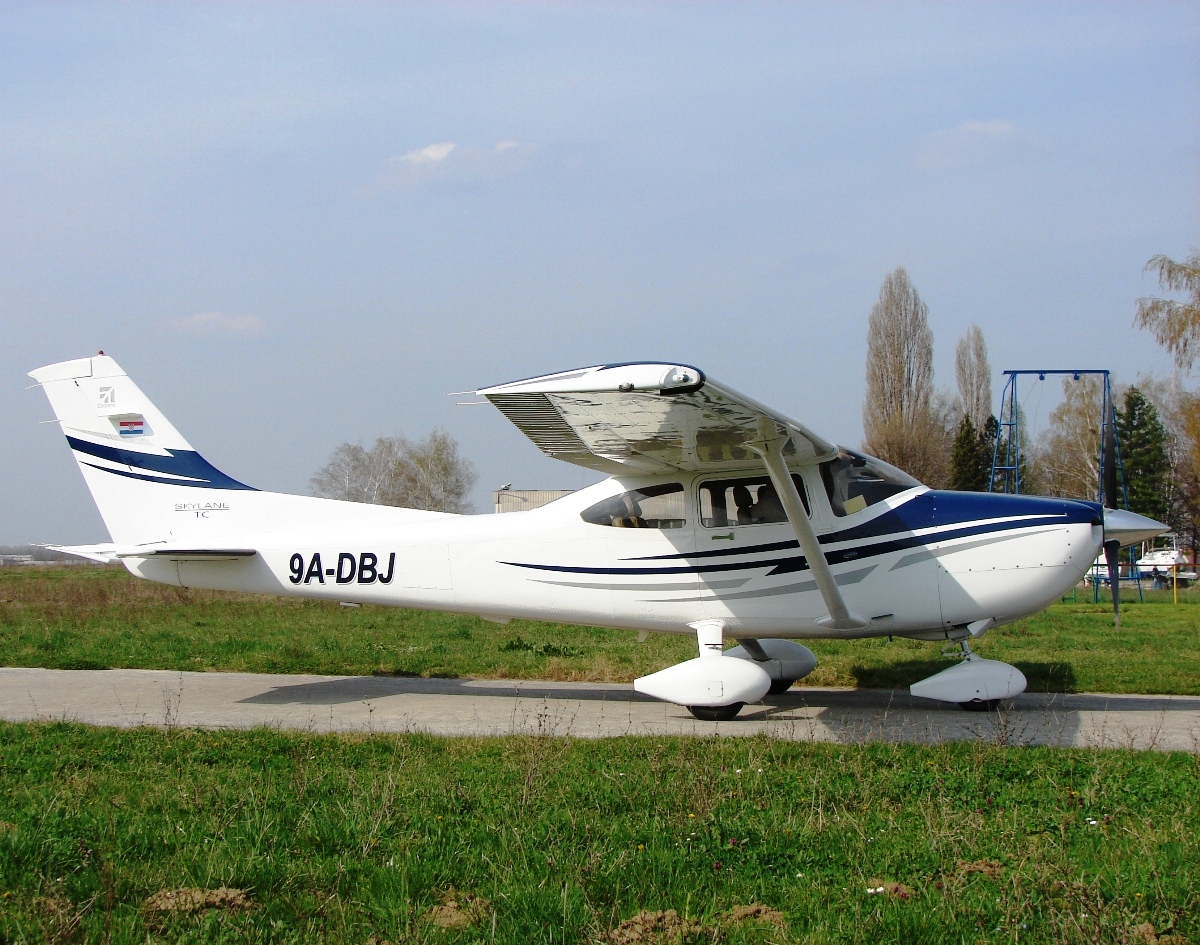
651,418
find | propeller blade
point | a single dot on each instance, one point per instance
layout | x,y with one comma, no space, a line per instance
1110,466
1112,551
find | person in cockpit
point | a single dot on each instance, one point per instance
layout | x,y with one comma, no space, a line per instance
768,508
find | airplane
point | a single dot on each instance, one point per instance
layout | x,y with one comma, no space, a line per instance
720,518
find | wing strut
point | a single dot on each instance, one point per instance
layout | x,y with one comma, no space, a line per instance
770,448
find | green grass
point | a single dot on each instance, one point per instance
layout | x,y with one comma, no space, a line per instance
357,839
77,617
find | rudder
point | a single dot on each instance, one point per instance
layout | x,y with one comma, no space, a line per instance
136,464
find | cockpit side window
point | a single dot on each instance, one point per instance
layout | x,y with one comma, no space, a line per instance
855,482
652,507
745,501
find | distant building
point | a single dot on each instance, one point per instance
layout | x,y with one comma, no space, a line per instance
522,500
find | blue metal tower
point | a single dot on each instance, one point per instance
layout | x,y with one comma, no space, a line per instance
1006,455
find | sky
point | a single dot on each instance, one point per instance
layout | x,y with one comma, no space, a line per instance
301,225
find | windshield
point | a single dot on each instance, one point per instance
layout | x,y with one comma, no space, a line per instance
855,481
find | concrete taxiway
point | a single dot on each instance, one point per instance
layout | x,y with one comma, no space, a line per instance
126,698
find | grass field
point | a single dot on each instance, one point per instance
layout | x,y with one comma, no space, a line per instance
263,836
79,617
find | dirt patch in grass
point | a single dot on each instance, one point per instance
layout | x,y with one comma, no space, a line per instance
57,918
191,899
668,927
756,912
989,868
1144,934
654,928
458,910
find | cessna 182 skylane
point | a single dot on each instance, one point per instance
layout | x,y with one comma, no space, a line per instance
721,518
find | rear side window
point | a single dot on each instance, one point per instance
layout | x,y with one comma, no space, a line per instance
652,507
745,501
855,482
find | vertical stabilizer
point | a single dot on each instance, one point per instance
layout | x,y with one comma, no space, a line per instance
136,464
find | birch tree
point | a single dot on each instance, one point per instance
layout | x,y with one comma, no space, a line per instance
1174,324
422,474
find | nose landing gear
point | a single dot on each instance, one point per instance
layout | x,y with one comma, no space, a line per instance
975,684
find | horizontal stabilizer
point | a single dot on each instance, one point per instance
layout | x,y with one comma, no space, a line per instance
110,553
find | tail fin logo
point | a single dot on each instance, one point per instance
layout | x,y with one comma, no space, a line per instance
108,397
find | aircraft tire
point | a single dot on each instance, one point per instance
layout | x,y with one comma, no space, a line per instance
980,705
779,686
716,713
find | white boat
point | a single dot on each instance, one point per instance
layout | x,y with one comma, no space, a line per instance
1160,560
1165,561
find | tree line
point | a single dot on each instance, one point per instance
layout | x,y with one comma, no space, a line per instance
948,440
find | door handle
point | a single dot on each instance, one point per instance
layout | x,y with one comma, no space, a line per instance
728,537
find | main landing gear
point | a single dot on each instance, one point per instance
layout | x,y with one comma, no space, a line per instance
716,713
715,685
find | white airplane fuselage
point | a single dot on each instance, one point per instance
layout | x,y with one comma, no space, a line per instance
722,518
921,563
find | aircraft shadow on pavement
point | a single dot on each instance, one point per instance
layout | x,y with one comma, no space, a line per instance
1042,677
366,688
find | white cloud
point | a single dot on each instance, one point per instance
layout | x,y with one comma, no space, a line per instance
446,161
218,324
969,143
433,154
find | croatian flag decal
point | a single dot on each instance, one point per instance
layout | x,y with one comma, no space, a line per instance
132,427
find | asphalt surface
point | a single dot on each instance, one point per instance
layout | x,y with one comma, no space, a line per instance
128,697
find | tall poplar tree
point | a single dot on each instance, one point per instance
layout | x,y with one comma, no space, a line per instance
900,424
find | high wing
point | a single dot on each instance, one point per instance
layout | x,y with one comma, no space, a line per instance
648,417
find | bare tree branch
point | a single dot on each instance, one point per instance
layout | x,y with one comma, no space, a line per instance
426,474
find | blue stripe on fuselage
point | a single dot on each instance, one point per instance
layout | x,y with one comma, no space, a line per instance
200,472
974,513
928,510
